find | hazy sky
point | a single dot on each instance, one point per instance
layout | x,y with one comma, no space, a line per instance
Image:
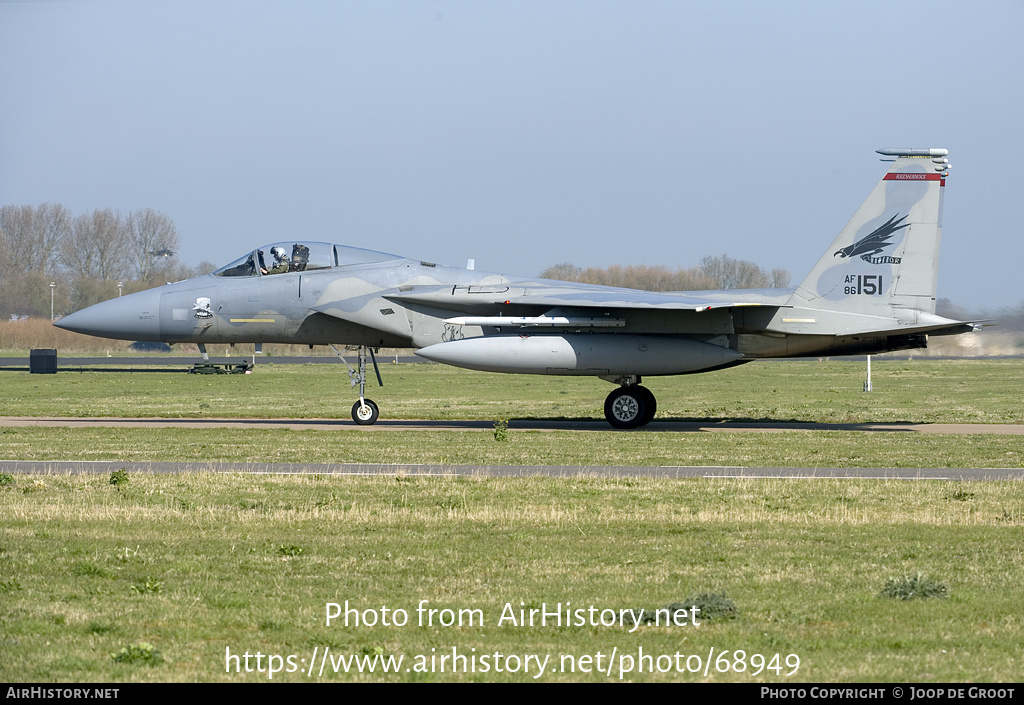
521,134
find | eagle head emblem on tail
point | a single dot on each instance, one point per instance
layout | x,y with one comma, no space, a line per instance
872,244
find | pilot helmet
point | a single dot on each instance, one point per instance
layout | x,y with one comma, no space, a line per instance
278,252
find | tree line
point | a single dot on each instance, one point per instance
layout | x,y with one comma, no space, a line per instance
84,256
721,272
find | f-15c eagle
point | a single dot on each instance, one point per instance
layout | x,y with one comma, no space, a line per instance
855,300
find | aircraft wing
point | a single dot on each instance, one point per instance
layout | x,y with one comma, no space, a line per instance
467,299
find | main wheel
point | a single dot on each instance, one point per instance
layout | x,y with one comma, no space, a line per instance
629,407
652,403
365,415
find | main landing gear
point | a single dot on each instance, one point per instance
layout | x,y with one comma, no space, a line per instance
630,406
364,411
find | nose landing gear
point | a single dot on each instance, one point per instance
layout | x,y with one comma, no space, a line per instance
364,411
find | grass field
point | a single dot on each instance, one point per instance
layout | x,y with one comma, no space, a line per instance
161,578
192,566
807,449
948,391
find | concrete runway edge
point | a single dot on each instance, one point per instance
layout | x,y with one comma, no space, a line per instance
345,424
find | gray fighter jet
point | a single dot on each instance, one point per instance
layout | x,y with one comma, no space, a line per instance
872,291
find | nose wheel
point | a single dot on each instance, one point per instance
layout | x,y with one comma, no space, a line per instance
364,411
630,406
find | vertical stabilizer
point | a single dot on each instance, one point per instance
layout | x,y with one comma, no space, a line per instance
887,257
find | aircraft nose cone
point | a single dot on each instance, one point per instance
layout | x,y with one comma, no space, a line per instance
132,317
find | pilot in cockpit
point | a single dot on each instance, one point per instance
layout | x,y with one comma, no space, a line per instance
281,262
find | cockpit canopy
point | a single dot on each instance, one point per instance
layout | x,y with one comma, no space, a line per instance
291,256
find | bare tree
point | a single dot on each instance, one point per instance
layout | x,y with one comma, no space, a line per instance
722,272
12,227
31,235
729,273
780,278
566,272
53,224
152,241
97,246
